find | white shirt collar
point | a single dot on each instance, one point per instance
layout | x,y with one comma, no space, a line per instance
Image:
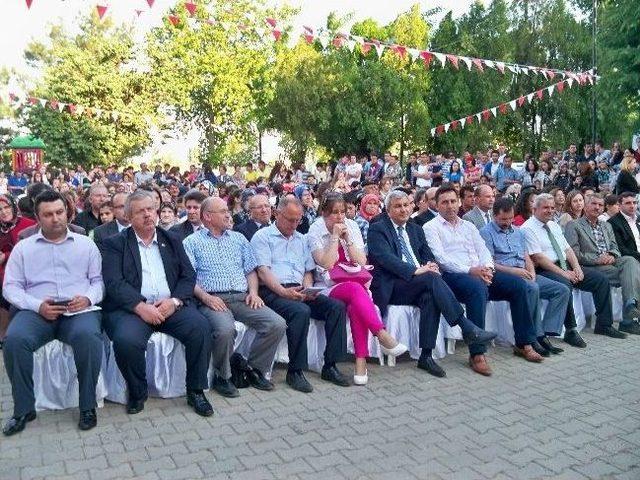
141,242
628,218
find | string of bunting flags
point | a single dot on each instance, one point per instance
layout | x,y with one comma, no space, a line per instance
509,106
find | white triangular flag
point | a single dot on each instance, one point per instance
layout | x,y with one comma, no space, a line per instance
446,127
564,75
414,53
324,40
79,109
512,103
98,112
530,97
193,23
351,45
490,64
525,70
550,89
442,57
463,121
115,116
379,49
479,117
43,102
494,110
433,132
590,78
513,68
570,81
61,106
466,60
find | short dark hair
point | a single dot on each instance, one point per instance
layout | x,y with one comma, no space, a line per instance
611,199
36,189
445,188
624,195
503,204
194,194
466,189
48,196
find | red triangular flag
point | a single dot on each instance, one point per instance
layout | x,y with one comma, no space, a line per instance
478,63
486,114
440,129
540,94
276,34
453,59
174,20
551,74
271,22
101,10
560,87
469,119
365,48
72,108
150,2
53,104
455,124
400,50
500,66
520,101
29,2
426,58
191,8
33,100
308,37
503,108
338,41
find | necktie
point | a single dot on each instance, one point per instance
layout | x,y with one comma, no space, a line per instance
405,248
488,217
556,247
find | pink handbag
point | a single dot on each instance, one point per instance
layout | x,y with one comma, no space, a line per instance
350,272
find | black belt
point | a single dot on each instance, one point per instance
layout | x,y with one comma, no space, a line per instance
226,292
289,285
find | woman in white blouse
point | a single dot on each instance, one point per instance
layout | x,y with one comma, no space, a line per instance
335,240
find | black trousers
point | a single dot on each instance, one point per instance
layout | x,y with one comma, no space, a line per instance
297,316
433,297
130,334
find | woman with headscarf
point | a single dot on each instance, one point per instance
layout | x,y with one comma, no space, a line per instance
369,208
11,224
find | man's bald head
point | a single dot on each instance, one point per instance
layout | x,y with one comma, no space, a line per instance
215,215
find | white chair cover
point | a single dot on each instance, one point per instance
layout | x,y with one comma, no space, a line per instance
584,306
55,379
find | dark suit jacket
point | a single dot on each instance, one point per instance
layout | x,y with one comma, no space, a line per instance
247,228
624,236
424,217
182,230
386,257
101,233
122,269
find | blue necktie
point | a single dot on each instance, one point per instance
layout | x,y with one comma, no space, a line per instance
405,248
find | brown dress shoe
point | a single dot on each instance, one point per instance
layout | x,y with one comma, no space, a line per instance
479,365
528,353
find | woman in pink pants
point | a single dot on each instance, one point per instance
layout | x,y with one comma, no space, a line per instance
335,239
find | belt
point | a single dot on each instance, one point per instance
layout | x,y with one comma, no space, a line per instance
226,292
289,285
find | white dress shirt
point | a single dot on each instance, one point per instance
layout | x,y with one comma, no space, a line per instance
634,229
538,239
154,280
457,248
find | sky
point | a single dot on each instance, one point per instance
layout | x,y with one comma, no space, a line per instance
22,25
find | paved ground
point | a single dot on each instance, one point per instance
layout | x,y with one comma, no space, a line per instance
575,416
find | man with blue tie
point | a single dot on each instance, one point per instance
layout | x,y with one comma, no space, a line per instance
406,273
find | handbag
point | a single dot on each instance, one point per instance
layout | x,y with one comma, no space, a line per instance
350,271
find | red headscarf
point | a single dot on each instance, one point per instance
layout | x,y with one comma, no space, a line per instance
368,198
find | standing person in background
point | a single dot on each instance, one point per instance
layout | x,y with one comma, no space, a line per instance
353,170
144,175
393,169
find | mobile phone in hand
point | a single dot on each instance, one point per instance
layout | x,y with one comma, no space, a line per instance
61,303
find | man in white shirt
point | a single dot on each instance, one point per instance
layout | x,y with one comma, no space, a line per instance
468,269
555,259
626,227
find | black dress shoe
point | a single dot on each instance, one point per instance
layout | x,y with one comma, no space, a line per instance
88,419
573,338
16,424
297,381
257,380
632,327
225,387
609,332
136,405
478,336
540,350
200,404
333,375
548,346
430,365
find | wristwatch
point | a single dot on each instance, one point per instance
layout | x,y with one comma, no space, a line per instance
177,302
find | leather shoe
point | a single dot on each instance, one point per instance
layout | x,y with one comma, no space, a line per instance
478,336
430,365
528,353
297,381
631,327
548,346
540,350
478,364
16,424
224,387
258,380
632,311
136,405
333,375
573,338
609,332
88,419
200,404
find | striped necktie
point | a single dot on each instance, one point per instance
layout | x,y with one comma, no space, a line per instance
405,248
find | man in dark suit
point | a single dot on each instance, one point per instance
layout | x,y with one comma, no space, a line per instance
90,218
426,206
405,273
259,216
150,282
626,226
192,201
119,223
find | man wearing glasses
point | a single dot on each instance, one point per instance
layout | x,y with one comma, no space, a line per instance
259,216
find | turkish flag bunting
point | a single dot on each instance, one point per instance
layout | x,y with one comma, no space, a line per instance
520,101
486,114
440,129
500,66
101,10
478,63
174,20
150,2
191,8
365,48
540,94
308,37
338,41
276,34
455,124
560,87
72,108
469,119
33,100
503,108
53,104
453,59
271,21
426,58
400,50
29,2
551,74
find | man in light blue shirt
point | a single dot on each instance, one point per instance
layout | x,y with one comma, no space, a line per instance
506,174
507,245
227,287
285,269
